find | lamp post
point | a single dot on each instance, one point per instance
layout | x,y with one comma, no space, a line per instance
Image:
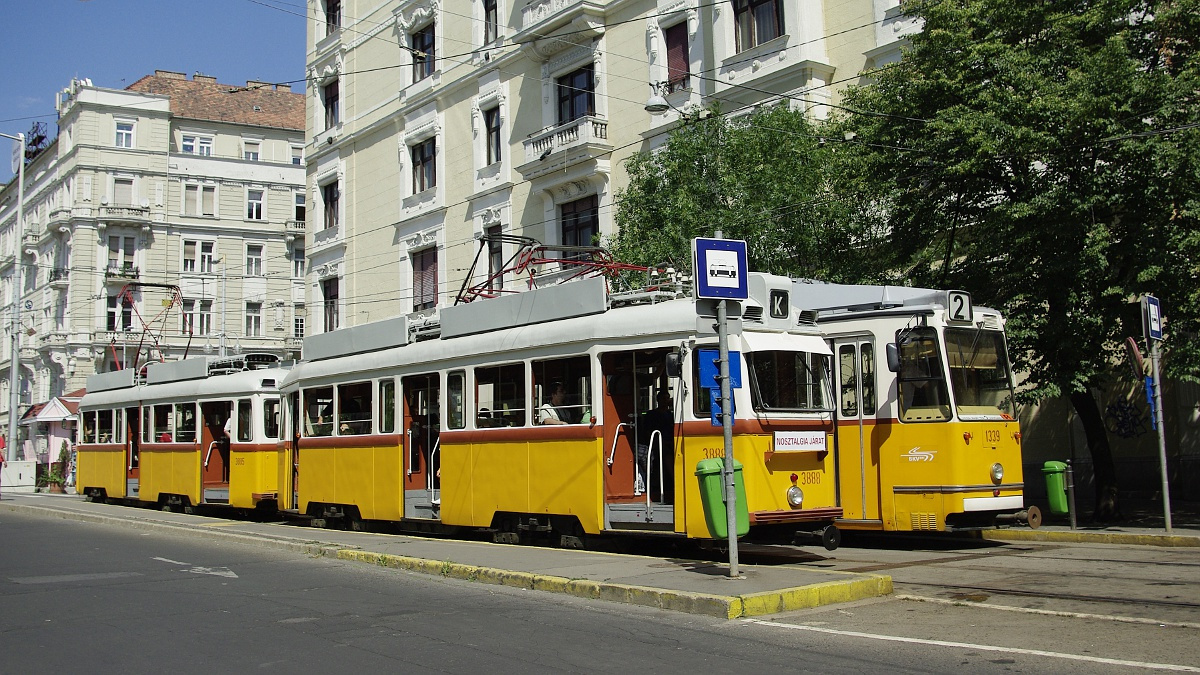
14,380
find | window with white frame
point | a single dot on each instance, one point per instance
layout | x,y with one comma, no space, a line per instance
678,60
254,319
251,150
254,260
119,315
124,137
298,263
495,143
495,258
580,222
331,100
423,55
254,204
333,16
123,191
194,144
297,155
197,317
121,251
298,321
424,166
491,21
330,200
298,210
197,256
199,200
576,94
425,279
756,22
329,292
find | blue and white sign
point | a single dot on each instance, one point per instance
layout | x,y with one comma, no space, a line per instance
720,268
709,361
1153,318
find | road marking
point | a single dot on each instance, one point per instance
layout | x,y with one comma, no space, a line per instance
986,648
197,569
66,578
173,562
1050,612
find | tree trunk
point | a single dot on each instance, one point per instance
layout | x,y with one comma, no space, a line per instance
1105,471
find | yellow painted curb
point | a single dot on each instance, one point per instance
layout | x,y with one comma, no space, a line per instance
1077,537
723,606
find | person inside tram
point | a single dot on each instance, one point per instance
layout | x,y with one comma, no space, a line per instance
661,418
552,411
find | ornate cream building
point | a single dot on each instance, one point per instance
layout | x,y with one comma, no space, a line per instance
166,218
431,124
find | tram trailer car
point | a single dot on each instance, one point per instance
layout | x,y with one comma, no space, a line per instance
159,439
931,440
563,412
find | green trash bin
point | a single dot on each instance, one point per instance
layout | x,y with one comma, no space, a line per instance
712,496
1056,486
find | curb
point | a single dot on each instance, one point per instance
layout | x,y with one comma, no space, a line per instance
1077,537
721,606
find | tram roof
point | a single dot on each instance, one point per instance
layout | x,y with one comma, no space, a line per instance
837,299
230,384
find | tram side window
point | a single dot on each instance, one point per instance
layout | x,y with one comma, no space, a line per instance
271,413
147,424
88,434
573,378
318,411
245,431
786,381
921,380
849,380
163,423
104,425
387,406
455,401
185,422
354,409
500,396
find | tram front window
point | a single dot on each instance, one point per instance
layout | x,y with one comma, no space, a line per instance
922,381
980,374
787,381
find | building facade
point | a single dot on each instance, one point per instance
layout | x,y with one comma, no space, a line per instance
430,126
166,219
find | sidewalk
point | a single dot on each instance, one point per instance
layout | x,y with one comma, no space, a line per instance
1142,523
675,584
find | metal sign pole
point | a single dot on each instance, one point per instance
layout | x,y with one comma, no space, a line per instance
1162,435
727,428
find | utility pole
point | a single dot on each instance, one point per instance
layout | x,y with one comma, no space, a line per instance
14,379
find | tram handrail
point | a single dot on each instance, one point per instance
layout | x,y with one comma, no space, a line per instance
429,469
616,434
655,442
208,454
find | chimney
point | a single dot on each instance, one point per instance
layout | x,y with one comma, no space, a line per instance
283,87
170,75
207,79
257,84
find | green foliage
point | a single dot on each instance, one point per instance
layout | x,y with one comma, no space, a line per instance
1045,156
762,177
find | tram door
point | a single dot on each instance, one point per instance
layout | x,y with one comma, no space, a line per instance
422,486
639,434
214,457
857,406
132,438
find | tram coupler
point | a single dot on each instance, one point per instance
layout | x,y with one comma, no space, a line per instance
1031,516
829,536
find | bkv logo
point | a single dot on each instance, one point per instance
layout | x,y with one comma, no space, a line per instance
918,455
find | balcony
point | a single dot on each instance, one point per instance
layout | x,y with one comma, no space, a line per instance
58,277
566,144
551,26
295,229
126,214
123,272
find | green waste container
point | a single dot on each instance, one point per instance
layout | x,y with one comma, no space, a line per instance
712,496
1056,486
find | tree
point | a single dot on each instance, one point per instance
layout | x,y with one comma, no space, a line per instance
1045,156
763,178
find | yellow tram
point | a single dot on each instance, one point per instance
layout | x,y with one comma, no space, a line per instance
563,411
185,433
929,441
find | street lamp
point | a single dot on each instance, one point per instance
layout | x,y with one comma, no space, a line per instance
14,380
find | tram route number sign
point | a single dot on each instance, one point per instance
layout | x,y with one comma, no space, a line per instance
719,267
958,306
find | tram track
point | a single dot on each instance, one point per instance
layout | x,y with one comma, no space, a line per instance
967,591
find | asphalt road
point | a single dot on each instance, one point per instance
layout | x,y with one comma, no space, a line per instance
80,597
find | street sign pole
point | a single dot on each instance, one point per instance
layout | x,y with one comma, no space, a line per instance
1152,317
727,430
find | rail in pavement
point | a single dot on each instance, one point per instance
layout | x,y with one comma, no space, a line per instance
691,586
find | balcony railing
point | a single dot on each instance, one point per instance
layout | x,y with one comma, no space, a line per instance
121,272
58,276
125,212
295,227
580,131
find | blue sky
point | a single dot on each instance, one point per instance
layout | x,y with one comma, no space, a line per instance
115,42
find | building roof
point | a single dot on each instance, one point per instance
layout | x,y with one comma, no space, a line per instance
203,98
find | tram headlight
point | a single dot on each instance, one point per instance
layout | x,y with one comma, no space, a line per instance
997,472
795,496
